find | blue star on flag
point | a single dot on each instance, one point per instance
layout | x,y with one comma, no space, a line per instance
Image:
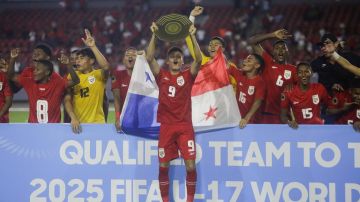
148,77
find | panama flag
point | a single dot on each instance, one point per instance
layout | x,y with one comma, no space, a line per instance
213,99
141,102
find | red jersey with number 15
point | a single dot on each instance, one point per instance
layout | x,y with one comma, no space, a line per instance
44,98
276,77
306,105
174,97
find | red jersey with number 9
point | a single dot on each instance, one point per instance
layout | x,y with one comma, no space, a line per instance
44,98
174,97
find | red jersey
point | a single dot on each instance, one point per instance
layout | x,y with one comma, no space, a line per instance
4,92
306,105
44,98
338,101
174,97
121,80
247,91
276,77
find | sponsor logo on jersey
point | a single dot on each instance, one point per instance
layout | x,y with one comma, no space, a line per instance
274,67
287,74
91,79
251,90
167,79
180,80
161,152
316,99
295,102
42,89
123,85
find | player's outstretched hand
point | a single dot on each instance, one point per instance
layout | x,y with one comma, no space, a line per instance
14,53
64,59
293,124
243,123
75,125
356,126
198,10
282,34
192,30
89,40
154,27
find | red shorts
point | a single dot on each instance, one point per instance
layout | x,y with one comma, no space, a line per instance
175,137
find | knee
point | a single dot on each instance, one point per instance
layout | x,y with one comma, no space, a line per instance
190,166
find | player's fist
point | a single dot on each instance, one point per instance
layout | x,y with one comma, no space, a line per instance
15,52
89,40
243,123
282,34
154,27
197,11
192,30
293,124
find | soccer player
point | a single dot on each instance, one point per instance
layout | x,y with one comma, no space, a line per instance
40,52
6,95
348,106
45,92
120,83
250,89
88,95
277,73
174,112
304,101
215,43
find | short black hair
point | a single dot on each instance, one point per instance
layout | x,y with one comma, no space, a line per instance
222,41
174,49
49,65
260,60
86,52
279,41
45,48
130,48
303,64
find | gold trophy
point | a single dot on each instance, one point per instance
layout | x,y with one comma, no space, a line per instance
173,27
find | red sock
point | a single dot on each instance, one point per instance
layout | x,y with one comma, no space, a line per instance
190,185
164,183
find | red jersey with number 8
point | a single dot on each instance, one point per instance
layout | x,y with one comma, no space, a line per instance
44,98
174,97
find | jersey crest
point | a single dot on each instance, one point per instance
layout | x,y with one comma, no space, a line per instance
251,90
316,99
161,152
287,74
91,79
180,80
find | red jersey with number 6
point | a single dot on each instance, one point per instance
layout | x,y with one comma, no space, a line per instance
44,98
276,77
306,105
174,97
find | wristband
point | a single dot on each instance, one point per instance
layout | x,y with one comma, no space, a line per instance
192,18
117,115
335,55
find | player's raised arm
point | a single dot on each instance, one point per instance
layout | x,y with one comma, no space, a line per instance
346,64
14,54
103,63
198,10
195,66
65,60
150,51
255,41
